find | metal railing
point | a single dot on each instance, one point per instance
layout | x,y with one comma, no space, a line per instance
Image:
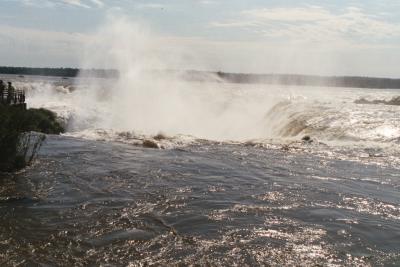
12,97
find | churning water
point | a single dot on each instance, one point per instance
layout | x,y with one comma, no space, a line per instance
233,183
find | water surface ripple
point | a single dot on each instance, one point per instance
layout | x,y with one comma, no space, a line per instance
102,203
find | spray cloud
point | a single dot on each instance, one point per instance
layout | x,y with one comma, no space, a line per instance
147,99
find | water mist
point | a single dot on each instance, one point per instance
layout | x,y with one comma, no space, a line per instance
147,99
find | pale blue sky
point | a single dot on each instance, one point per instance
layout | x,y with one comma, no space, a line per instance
315,37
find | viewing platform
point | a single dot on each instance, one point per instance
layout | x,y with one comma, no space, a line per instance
10,96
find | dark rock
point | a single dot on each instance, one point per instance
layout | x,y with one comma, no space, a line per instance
307,139
160,136
150,144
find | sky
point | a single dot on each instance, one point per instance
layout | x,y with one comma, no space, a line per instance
341,37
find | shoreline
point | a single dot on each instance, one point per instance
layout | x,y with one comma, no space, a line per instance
210,76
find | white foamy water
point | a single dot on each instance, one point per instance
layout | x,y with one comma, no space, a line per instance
231,112
258,115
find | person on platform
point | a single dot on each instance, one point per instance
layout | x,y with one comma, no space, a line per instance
11,93
2,91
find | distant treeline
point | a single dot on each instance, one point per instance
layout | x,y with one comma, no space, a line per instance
59,72
284,79
300,80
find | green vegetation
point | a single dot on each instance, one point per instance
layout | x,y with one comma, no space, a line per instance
19,140
42,120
